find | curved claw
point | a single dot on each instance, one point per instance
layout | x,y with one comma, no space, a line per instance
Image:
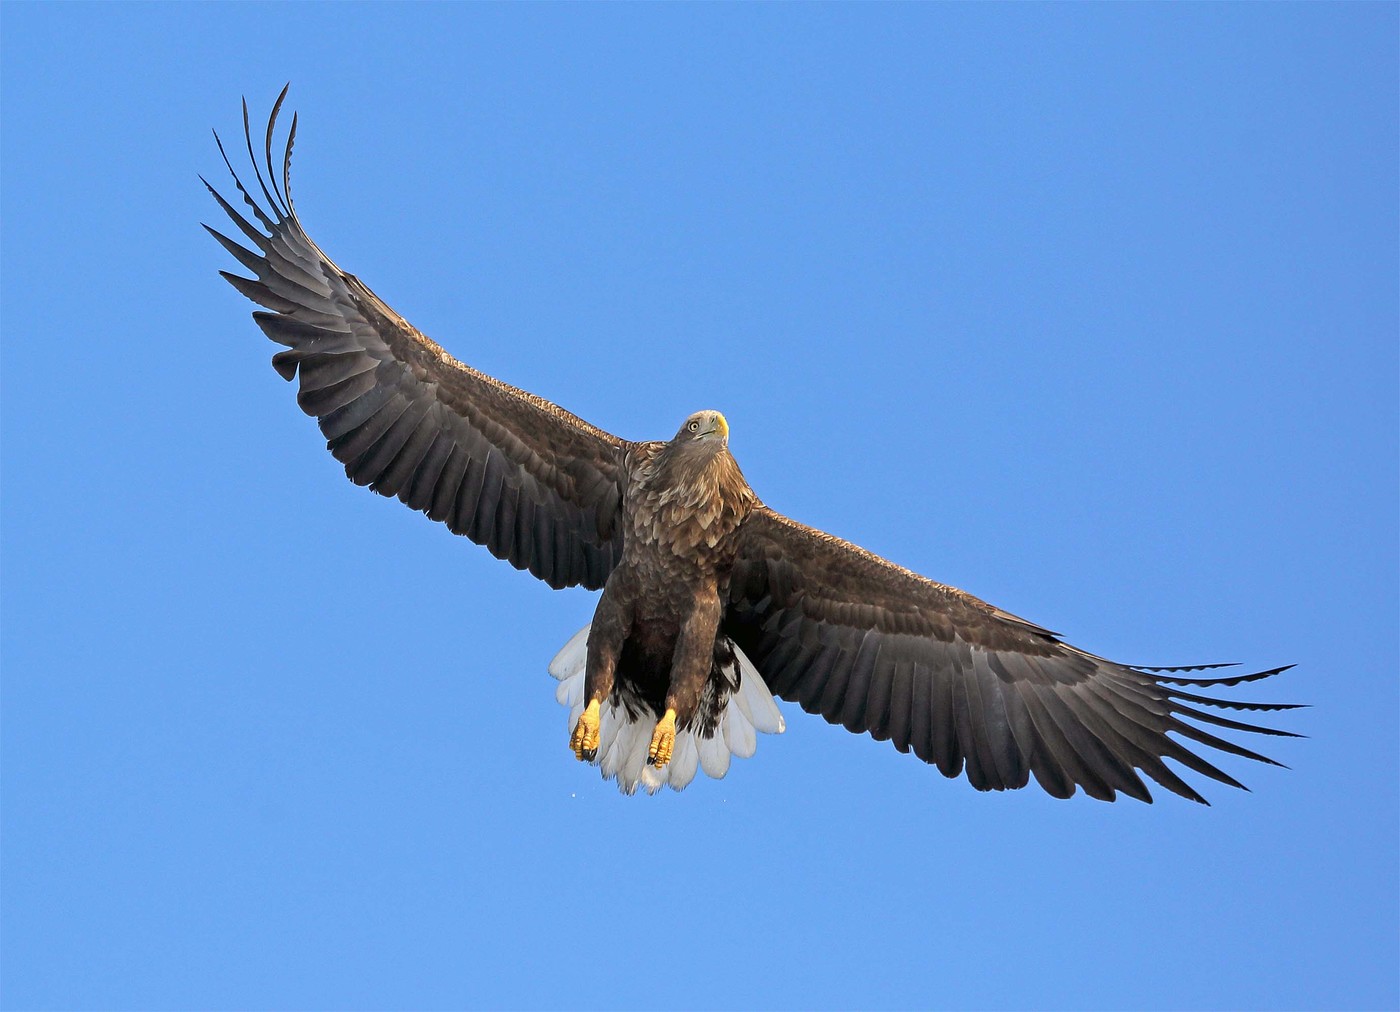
584,740
663,741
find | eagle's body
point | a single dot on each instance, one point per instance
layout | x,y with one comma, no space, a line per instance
654,636
712,604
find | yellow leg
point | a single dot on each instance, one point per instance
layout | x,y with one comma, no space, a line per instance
584,741
663,740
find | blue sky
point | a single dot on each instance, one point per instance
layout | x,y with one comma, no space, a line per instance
1090,310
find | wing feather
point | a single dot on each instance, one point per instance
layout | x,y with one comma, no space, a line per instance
924,711
986,741
854,711
536,485
901,720
966,686
950,722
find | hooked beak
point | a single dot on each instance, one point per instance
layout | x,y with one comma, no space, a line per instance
720,428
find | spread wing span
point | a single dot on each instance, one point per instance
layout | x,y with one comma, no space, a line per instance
536,485
964,685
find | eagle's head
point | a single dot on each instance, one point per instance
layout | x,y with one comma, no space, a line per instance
704,428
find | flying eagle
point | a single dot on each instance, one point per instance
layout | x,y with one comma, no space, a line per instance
712,604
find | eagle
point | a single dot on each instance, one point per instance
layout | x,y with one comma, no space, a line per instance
712,604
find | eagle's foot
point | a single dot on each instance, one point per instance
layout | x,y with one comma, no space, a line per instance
584,740
663,741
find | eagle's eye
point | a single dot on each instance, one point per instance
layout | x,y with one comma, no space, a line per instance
693,426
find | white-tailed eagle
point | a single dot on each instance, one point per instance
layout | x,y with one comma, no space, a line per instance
712,603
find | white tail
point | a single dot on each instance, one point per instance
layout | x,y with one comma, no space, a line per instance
623,741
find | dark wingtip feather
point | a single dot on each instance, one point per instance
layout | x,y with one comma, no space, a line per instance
258,212
1203,737
1235,704
1234,725
1232,680
248,138
1156,669
287,166
258,292
246,257
267,147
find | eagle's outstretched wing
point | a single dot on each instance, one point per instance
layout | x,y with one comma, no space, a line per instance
536,485
964,685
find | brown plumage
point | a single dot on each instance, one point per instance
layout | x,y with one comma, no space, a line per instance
699,578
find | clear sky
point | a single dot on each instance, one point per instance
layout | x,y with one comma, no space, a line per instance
1090,310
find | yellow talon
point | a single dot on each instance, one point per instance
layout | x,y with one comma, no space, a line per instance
663,740
584,741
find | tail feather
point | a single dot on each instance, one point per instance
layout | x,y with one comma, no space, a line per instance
714,756
623,740
684,762
572,657
756,700
636,736
739,733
